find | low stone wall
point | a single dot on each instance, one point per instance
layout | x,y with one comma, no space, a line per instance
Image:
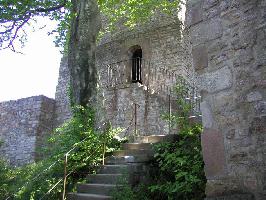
24,123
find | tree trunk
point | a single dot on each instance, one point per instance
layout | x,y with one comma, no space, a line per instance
85,27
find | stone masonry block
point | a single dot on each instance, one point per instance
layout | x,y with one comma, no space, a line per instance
198,34
206,31
234,197
196,13
207,117
210,3
214,29
254,96
200,57
213,153
216,81
223,188
258,125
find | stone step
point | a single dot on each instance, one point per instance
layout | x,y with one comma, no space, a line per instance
80,196
157,138
137,146
128,159
134,152
101,189
113,169
106,178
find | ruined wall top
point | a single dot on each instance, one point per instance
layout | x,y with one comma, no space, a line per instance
23,125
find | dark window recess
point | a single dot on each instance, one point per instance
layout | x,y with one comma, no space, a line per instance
136,66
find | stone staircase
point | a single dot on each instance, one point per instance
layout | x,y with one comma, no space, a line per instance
128,166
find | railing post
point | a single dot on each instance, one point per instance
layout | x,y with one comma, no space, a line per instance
135,113
104,149
65,177
170,112
149,74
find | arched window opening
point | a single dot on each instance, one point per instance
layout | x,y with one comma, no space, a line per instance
136,65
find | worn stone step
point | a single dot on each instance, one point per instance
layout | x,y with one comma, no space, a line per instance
137,146
133,152
157,138
80,196
92,188
128,159
106,178
113,169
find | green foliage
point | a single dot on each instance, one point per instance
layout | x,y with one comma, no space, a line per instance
180,164
33,181
87,144
16,16
123,190
1,142
126,192
133,12
5,177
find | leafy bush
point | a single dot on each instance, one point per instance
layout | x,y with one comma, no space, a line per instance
5,176
34,180
126,192
180,173
180,164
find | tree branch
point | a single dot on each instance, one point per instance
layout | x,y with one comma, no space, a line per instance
12,27
51,8
15,35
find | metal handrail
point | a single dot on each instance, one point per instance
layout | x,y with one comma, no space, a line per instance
50,167
34,178
65,169
47,169
64,179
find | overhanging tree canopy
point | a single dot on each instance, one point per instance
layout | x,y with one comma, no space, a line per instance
16,15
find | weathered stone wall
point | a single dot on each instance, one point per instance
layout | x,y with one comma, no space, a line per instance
160,41
62,104
23,125
229,56
163,56
121,110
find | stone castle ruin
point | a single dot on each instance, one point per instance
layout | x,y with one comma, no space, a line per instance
137,70
221,53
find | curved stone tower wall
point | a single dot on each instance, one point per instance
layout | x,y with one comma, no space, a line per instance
163,54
